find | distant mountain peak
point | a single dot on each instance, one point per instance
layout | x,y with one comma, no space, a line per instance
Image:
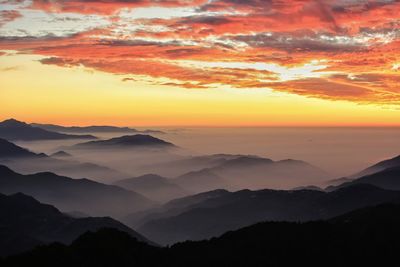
12,123
128,140
143,138
13,129
60,153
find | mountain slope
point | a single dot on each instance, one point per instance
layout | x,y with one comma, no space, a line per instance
234,210
70,194
387,179
15,130
9,150
380,166
201,181
22,219
171,208
154,186
25,161
254,172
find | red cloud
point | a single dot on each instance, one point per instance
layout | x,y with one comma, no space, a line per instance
358,40
8,16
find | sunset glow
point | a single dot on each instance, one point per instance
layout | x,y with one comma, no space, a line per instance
201,62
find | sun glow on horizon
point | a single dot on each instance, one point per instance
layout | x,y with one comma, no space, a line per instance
81,96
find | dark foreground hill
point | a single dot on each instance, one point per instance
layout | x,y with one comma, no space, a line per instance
355,239
26,223
233,210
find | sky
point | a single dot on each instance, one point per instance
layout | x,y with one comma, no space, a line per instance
201,62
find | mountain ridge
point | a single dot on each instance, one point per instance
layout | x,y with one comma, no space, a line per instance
12,129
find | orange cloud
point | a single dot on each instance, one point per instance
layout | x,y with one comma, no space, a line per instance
353,45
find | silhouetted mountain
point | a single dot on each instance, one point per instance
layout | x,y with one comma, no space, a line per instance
184,164
25,223
171,208
154,186
243,171
15,130
338,181
380,166
387,179
201,181
9,150
60,154
24,161
367,237
70,194
91,129
244,162
256,173
310,187
138,140
234,210
184,202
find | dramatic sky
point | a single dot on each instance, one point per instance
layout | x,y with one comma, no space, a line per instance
201,62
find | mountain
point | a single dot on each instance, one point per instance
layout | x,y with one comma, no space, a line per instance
61,154
67,194
181,165
25,223
366,237
25,161
338,181
387,179
171,208
231,211
154,186
91,129
9,150
15,130
242,171
244,162
254,172
201,181
235,172
127,141
310,187
184,202
380,166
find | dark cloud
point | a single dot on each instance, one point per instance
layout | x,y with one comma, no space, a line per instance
301,41
209,20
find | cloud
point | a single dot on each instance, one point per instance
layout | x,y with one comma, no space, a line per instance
105,7
338,50
7,16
